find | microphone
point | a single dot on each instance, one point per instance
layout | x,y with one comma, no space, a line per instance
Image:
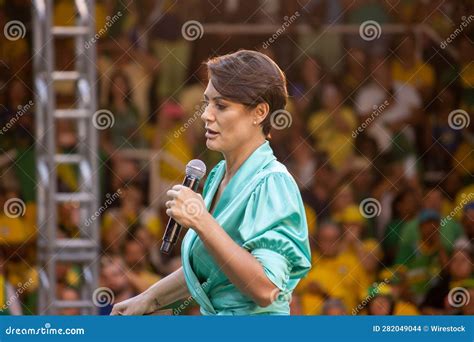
195,170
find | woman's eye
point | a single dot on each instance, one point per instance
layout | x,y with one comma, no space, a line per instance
220,106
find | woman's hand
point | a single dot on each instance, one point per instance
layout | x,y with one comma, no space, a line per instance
135,306
186,206
164,292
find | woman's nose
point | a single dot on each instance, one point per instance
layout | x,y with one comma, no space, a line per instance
207,115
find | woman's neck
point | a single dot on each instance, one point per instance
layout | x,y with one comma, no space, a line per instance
234,159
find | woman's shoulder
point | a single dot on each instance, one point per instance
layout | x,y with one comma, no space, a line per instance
275,176
276,169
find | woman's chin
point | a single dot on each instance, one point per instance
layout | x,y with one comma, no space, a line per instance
212,145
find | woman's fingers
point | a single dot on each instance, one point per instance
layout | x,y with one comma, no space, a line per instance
175,190
116,310
121,310
184,205
172,193
132,306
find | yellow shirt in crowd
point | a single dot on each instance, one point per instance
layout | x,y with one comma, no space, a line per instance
466,75
338,145
371,246
340,277
421,75
12,230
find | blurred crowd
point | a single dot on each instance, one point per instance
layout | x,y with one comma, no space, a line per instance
372,138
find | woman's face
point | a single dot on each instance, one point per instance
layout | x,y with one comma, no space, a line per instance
17,93
119,87
329,242
354,229
311,70
460,266
344,197
356,59
228,124
331,98
408,206
434,200
380,306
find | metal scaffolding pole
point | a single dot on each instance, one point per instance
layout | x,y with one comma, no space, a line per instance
84,249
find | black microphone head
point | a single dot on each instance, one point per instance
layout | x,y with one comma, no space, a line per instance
196,168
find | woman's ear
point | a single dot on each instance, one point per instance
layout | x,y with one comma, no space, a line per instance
261,112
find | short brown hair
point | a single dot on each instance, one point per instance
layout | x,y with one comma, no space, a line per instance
249,77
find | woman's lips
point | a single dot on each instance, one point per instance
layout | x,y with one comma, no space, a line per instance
210,134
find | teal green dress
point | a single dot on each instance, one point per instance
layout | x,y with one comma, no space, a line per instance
262,211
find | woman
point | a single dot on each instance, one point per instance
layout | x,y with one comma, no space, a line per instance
125,131
332,126
248,244
308,91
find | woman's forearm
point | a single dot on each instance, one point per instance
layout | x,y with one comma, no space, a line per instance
241,267
168,290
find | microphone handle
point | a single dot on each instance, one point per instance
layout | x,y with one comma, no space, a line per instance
173,229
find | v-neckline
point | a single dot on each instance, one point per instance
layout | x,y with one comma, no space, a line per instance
216,194
263,151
